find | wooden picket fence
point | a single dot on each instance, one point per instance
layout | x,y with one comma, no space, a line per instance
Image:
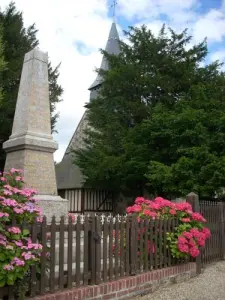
97,249
214,212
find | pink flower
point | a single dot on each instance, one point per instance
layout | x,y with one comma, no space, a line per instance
200,238
18,178
146,212
18,243
73,217
16,190
206,232
2,240
149,213
182,240
194,252
187,234
155,206
9,202
192,243
2,215
183,248
34,246
13,170
3,179
40,219
3,243
148,202
28,255
173,212
198,217
9,187
136,208
139,200
201,242
14,230
184,206
186,220
194,232
18,210
7,192
159,199
18,262
151,248
8,268
162,203
2,237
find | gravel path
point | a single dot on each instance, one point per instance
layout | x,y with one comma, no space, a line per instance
210,285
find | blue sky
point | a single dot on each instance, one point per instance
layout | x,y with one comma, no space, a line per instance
73,31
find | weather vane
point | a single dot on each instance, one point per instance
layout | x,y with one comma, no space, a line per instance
114,4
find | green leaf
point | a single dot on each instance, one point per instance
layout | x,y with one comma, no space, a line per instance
2,257
26,232
2,283
10,277
10,282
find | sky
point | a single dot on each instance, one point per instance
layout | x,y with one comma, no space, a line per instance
72,32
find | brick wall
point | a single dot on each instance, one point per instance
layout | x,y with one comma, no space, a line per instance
129,286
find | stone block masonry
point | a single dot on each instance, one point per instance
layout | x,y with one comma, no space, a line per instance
31,146
128,287
31,161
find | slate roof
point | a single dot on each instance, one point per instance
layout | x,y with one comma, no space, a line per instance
112,47
68,175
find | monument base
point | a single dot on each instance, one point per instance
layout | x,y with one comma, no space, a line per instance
53,206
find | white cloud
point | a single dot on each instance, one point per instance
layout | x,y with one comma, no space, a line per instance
145,9
61,25
211,25
73,31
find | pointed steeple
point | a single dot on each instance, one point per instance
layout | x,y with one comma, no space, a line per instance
112,47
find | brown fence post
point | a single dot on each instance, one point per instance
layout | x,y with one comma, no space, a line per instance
133,246
193,199
97,238
82,199
222,216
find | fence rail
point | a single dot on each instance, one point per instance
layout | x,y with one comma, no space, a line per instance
95,250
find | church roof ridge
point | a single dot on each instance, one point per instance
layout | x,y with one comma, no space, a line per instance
112,47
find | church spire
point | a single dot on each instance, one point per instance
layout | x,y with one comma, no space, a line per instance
112,47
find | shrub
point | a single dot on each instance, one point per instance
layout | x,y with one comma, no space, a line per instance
189,235
17,210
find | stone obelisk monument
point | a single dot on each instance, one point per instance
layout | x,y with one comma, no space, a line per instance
31,146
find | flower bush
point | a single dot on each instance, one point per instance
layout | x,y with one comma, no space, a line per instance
190,234
17,209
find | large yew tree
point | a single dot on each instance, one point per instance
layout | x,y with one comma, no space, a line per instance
18,40
159,121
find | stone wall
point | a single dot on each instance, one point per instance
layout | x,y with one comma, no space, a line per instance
128,287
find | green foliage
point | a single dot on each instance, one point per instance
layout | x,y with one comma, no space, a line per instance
19,40
17,210
186,238
2,65
158,122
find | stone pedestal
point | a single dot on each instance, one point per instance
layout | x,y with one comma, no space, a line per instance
31,146
50,204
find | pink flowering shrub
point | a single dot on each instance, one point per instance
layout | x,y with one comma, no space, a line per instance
189,235
17,206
